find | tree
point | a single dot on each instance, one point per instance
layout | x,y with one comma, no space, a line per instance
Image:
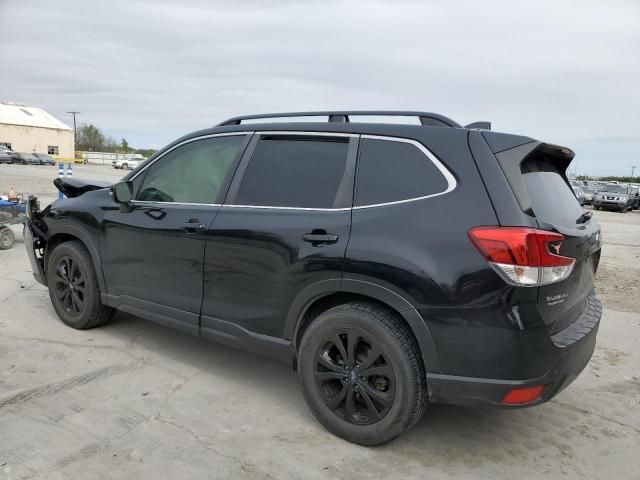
89,138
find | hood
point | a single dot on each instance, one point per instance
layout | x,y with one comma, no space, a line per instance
74,187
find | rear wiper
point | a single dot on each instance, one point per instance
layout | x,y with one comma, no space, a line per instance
584,218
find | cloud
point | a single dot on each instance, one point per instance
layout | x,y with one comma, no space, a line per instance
564,72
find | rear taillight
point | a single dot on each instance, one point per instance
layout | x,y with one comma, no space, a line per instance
525,257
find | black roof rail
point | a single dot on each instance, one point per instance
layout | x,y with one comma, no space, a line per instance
342,116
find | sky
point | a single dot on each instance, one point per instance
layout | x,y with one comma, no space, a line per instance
565,72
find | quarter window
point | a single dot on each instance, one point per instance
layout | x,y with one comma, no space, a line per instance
294,172
391,171
192,173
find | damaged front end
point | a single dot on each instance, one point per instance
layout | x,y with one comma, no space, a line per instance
35,238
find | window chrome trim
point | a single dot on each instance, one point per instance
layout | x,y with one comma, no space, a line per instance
451,180
189,140
150,203
311,209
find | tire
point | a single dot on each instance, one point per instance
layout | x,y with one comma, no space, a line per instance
7,238
125,166
77,309
400,381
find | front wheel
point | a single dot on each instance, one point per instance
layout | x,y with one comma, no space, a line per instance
6,238
74,289
362,374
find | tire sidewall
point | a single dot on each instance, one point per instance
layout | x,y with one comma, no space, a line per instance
399,416
8,233
72,249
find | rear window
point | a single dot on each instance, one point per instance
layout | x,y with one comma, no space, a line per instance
552,199
391,171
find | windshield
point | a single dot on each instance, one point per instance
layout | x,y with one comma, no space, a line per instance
614,189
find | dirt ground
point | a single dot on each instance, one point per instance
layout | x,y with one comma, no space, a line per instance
137,400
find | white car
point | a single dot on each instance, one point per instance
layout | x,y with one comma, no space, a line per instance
127,163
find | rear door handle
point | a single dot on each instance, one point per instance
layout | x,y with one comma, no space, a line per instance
193,226
320,238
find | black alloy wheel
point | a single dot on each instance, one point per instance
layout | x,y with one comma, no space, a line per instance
361,373
354,378
70,286
73,287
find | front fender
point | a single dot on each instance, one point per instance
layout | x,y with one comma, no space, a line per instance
75,229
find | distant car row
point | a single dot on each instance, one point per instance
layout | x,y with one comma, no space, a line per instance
9,156
611,196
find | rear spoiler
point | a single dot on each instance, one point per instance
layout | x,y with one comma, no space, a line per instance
479,125
517,155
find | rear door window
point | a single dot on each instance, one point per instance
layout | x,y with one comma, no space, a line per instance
296,172
390,171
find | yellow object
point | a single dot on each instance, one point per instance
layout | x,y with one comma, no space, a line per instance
68,160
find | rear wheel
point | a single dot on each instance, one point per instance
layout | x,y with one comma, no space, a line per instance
6,238
125,166
73,287
361,373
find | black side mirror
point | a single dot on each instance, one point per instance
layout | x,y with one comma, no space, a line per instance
122,193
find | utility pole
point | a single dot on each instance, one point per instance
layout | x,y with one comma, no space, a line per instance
75,131
633,168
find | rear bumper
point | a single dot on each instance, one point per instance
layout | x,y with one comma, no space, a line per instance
574,346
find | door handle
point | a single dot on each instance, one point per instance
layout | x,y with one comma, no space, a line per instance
193,226
320,237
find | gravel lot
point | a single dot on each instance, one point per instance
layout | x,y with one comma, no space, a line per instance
137,400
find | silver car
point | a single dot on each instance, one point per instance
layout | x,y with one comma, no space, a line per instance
613,197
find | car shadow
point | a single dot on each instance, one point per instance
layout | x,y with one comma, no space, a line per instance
456,429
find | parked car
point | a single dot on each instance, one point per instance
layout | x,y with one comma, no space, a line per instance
392,265
6,157
614,197
126,164
26,158
45,159
10,153
589,193
634,191
579,193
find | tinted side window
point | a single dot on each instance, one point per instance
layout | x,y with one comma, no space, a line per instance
389,171
192,173
292,172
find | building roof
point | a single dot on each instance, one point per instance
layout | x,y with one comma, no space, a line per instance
19,114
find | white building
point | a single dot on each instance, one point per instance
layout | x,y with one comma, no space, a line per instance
31,129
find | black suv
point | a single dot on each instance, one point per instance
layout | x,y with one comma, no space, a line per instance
392,265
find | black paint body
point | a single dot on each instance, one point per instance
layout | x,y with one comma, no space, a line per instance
248,278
